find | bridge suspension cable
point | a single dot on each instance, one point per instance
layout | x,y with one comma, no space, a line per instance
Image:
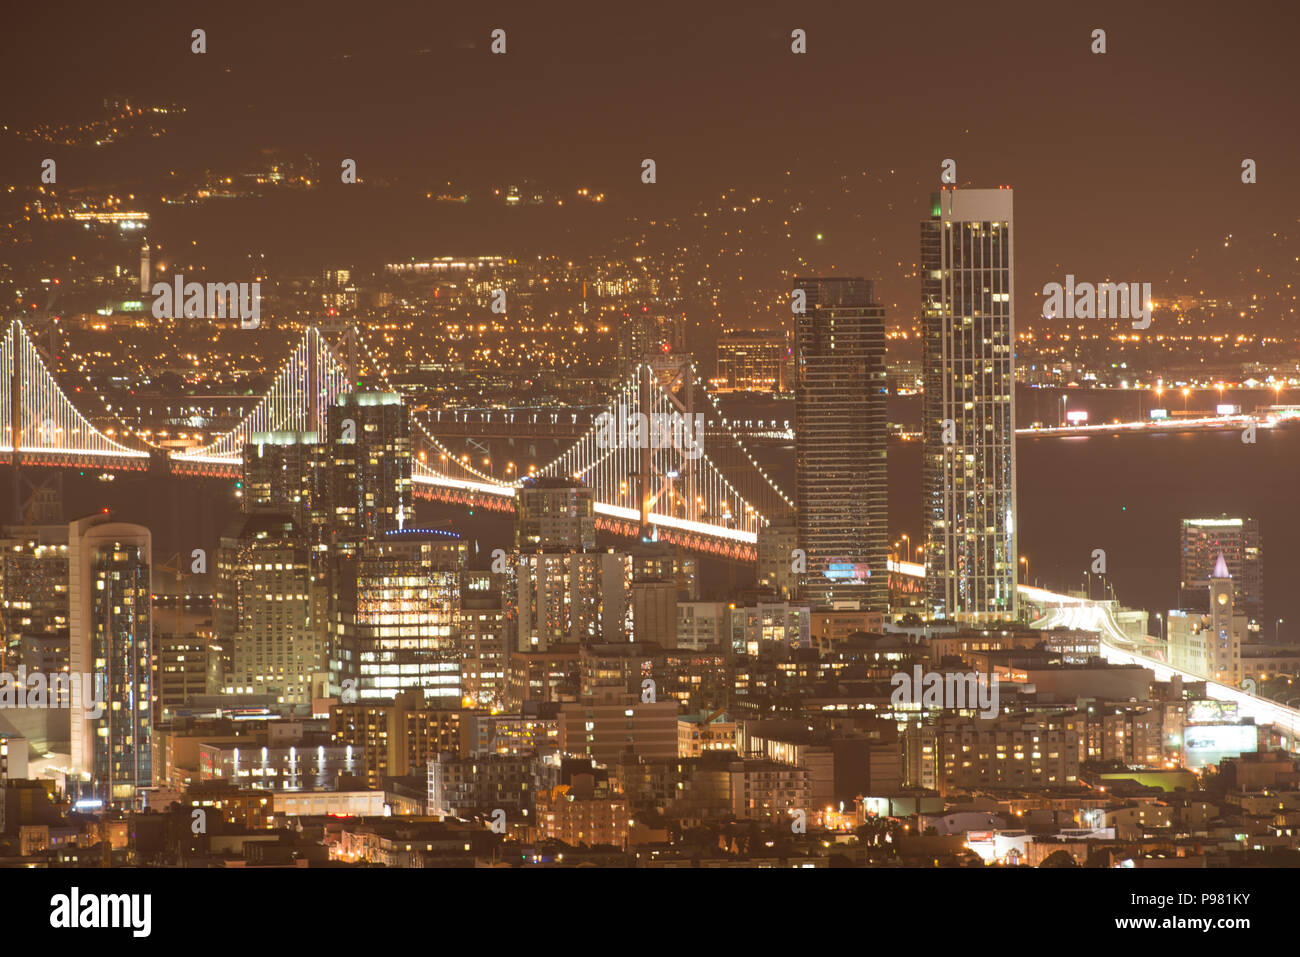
47,421
307,383
422,470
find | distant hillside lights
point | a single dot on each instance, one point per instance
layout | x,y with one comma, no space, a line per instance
932,691
1107,300
214,300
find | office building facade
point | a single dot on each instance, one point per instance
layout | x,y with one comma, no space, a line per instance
840,442
282,472
264,610
1202,541
368,449
569,597
34,597
555,515
750,362
402,617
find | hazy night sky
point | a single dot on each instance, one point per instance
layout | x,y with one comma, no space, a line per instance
1125,164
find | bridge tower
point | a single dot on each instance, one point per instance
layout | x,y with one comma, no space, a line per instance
347,338
313,381
666,385
16,421
345,352
42,318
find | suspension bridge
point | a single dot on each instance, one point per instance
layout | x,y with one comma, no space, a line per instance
661,457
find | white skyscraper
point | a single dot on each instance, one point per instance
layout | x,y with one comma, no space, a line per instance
969,490
110,622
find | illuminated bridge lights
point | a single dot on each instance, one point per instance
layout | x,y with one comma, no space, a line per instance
691,499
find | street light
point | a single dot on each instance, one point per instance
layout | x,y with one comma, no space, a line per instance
1276,629
907,539
1025,561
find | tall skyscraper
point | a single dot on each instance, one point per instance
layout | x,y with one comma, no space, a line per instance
369,456
569,597
776,543
282,472
1202,541
110,616
289,473
183,669
968,345
484,646
403,615
840,442
264,611
34,597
